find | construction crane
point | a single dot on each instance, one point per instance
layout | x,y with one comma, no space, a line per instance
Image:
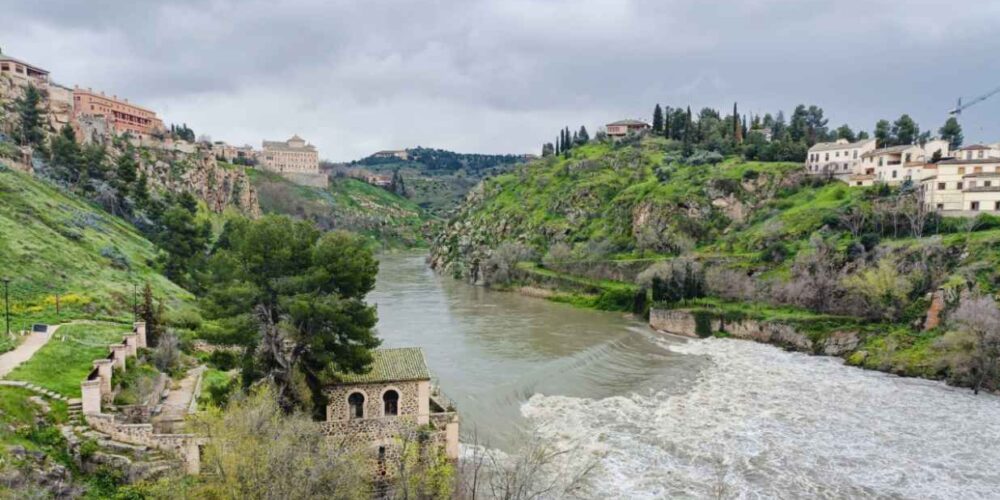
958,109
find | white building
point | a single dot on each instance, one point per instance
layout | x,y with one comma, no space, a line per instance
896,164
966,186
840,158
293,156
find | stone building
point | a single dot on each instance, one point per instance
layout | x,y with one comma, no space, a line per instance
293,156
121,115
392,402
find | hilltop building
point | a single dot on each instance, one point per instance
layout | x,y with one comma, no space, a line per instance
622,128
400,154
977,152
394,400
909,162
840,158
121,116
22,72
293,156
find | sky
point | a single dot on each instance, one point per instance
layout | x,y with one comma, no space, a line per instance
503,76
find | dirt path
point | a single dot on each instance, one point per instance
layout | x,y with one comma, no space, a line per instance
12,359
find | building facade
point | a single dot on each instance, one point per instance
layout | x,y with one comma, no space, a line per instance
386,406
966,186
122,116
22,72
840,158
293,156
911,162
622,128
400,154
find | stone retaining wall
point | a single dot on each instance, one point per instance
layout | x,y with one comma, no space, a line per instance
96,388
697,324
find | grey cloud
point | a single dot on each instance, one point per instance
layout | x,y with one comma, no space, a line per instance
503,75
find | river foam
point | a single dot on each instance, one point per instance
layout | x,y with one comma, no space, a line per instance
759,422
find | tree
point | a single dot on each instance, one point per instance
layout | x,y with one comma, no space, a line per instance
141,192
151,313
29,131
905,130
184,240
882,288
397,185
845,132
798,127
862,135
583,136
688,133
547,149
126,169
254,451
815,125
883,136
980,317
295,299
657,119
65,156
737,126
951,131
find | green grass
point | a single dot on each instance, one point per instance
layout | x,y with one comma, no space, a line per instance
55,244
388,220
18,416
60,365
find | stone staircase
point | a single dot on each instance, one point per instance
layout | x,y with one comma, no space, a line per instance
137,462
36,389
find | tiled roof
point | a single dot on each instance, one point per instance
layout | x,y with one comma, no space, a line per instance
392,365
283,146
969,162
830,146
632,123
973,147
893,149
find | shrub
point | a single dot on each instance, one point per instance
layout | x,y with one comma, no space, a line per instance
167,352
673,281
118,259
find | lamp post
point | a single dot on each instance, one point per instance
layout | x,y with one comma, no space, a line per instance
6,304
135,304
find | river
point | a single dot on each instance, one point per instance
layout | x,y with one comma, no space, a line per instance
668,417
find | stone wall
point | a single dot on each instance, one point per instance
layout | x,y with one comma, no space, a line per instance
96,388
410,401
698,324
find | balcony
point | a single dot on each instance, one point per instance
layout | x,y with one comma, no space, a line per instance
982,189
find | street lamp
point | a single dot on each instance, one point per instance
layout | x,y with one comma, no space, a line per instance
6,304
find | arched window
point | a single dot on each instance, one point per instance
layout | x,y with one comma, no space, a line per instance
390,401
356,401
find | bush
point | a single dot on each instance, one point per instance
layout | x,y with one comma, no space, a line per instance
673,281
117,258
167,353
224,360
187,319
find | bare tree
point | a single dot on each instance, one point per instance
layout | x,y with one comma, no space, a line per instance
980,317
815,280
167,352
536,470
912,207
854,219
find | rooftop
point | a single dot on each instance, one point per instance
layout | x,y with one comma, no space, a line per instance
890,150
829,146
392,365
974,147
5,57
284,146
969,162
630,122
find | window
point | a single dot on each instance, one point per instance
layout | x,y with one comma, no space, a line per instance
390,401
907,157
827,158
940,206
941,185
961,170
980,155
837,154
958,185
997,207
893,174
880,161
974,206
356,402
977,170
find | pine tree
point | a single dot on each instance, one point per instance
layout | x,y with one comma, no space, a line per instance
141,191
30,117
657,119
584,136
951,131
125,173
152,315
666,122
558,149
688,133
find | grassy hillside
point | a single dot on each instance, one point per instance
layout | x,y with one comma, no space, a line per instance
388,220
734,239
56,245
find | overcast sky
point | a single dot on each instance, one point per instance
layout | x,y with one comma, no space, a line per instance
356,76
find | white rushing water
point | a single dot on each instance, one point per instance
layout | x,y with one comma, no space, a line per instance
760,422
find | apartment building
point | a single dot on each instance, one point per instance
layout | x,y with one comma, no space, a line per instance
968,186
840,158
896,164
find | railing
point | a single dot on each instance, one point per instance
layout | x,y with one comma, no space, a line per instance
441,400
981,189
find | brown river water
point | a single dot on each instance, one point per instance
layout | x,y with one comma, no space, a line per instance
666,417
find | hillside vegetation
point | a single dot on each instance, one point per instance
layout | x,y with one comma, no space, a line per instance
388,220
438,180
55,244
620,225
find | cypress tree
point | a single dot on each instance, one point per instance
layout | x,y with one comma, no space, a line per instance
737,127
657,119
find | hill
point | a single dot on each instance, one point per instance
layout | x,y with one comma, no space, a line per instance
617,225
385,218
438,180
56,244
